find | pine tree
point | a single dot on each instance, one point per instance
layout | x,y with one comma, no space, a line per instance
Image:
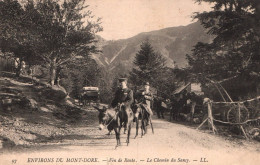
149,65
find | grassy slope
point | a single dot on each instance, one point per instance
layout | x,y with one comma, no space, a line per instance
38,115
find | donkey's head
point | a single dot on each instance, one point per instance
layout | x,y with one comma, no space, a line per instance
103,117
136,109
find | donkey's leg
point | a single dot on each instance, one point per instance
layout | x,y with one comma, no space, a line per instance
145,126
137,127
117,137
142,127
109,132
126,124
125,128
128,133
119,129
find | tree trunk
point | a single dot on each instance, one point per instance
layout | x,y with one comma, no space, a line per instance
57,77
53,71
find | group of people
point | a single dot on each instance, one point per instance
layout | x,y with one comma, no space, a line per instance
178,103
125,97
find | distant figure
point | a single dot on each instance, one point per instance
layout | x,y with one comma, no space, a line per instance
17,69
174,107
16,63
158,106
23,66
179,105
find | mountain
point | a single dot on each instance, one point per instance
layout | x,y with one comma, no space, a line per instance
173,43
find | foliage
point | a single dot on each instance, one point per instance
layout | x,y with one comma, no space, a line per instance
85,72
79,73
17,28
235,48
48,32
68,31
149,65
234,53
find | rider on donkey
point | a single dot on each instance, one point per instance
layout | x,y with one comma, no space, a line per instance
147,98
123,95
123,98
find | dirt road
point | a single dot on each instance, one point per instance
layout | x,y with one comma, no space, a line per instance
171,144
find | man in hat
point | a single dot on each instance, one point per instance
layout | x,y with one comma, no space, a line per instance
123,95
147,98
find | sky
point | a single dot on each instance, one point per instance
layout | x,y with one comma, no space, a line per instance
125,18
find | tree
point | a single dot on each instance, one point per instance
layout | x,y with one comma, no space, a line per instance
67,36
17,32
235,48
66,31
166,83
149,65
233,57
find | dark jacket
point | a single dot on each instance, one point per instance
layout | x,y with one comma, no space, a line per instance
123,96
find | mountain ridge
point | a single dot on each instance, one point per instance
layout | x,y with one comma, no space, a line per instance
172,42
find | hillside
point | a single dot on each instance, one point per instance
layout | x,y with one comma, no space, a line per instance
37,114
173,43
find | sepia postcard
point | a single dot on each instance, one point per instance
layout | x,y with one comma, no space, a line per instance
138,82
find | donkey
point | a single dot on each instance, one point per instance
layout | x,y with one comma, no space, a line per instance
142,115
124,119
114,120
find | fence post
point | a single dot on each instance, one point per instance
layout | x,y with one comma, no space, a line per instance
210,117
